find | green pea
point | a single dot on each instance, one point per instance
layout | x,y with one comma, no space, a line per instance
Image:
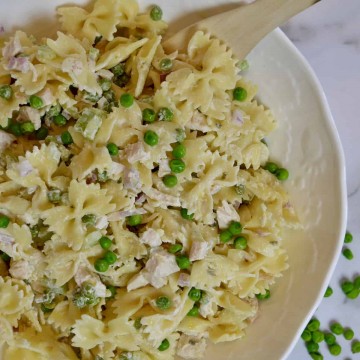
282,174
239,94
177,166
316,356
317,336
195,294
312,346
66,138
54,196
137,323
164,345
349,334
240,243
185,214
194,311
170,181
4,221
148,115
6,92
105,242
163,302
174,248
110,257
112,149
353,294
134,220
151,138
126,100
89,219
118,69
225,236
357,282
335,349
105,84
235,228
156,13
348,238
330,338
313,325
15,129
42,133
112,290
101,265
60,120
45,309
271,167
27,127
179,151
5,257
306,335
336,328
122,80
165,114
355,347
264,296
165,64
328,292
183,262
36,102
348,254
347,286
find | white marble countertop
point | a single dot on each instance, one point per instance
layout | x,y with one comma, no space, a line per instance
328,35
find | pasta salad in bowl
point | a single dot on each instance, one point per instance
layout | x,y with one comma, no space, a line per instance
142,213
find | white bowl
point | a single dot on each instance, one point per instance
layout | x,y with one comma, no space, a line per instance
306,143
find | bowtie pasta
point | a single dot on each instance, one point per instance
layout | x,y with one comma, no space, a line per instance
139,215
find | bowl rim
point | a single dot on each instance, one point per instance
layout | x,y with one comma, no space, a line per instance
341,166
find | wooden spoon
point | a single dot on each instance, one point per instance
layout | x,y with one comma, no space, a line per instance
244,27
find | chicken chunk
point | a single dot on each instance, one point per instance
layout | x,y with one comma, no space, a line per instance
225,214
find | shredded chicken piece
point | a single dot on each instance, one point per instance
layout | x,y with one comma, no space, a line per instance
24,168
5,140
136,152
198,250
184,280
21,269
225,214
6,239
72,64
152,237
160,265
132,179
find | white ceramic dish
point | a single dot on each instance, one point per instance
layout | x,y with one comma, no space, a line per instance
306,143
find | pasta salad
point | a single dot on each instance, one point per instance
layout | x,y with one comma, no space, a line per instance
139,215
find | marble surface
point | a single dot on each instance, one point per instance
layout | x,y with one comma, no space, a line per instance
328,35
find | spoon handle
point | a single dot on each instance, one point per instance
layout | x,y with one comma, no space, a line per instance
243,27
248,24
